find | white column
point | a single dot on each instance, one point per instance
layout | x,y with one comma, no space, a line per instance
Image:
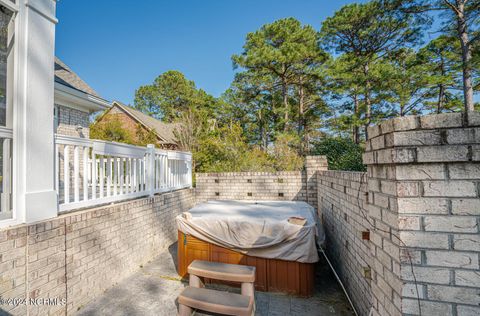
35,195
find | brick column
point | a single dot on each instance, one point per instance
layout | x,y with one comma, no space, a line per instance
424,207
312,165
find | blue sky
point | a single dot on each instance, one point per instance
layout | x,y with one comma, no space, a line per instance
116,46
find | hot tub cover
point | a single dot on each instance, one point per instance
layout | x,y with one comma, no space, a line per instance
256,228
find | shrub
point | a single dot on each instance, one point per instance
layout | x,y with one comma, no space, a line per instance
110,130
342,153
285,152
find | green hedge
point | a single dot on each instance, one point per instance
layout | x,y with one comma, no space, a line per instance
342,153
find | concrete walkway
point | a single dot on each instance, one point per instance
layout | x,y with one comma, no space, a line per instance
153,290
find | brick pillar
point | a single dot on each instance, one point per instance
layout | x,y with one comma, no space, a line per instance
423,194
312,165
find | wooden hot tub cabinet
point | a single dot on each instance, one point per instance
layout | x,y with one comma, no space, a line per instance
273,275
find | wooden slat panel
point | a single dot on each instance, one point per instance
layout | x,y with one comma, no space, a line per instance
271,274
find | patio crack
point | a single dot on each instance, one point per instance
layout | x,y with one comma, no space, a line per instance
165,277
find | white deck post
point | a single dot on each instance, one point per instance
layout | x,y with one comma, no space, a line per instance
150,168
34,166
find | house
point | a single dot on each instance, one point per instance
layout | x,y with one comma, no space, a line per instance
48,163
74,101
138,123
52,174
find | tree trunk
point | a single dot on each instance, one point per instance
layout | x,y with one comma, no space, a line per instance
356,129
441,97
261,124
368,104
441,88
466,55
301,116
285,103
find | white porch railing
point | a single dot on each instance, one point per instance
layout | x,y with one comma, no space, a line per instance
92,172
6,173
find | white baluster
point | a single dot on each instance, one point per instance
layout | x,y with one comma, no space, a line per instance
76,173
66,174
140,175
135,176
93,164
85,173
101,180
120,174
162,171
109,176
115,175
176,173
128,166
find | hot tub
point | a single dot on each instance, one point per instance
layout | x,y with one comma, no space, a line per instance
256,233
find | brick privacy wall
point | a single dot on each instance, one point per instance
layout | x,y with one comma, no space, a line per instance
341,203
314,164
79,255
283,185
69,119
423,194
288,186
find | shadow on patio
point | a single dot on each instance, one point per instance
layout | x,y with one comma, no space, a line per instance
153,290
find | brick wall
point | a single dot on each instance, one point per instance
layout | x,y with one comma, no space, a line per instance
127,122
341,203
423,195
68,120
77,256
283,185
289,186
421,207
313,164
134,128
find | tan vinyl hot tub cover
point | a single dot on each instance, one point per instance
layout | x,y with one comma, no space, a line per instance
256,228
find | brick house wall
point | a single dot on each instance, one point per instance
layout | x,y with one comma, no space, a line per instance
67,121
131,125
126,120
77,256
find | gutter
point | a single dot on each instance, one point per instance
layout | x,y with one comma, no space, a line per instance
77,97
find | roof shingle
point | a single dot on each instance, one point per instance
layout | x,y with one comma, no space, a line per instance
163,130
64,75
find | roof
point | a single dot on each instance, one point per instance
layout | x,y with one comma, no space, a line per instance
64,75
164,131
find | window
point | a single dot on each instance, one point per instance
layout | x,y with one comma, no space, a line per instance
8,10
6,64
56,117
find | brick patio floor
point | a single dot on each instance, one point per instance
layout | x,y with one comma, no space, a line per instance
153,290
